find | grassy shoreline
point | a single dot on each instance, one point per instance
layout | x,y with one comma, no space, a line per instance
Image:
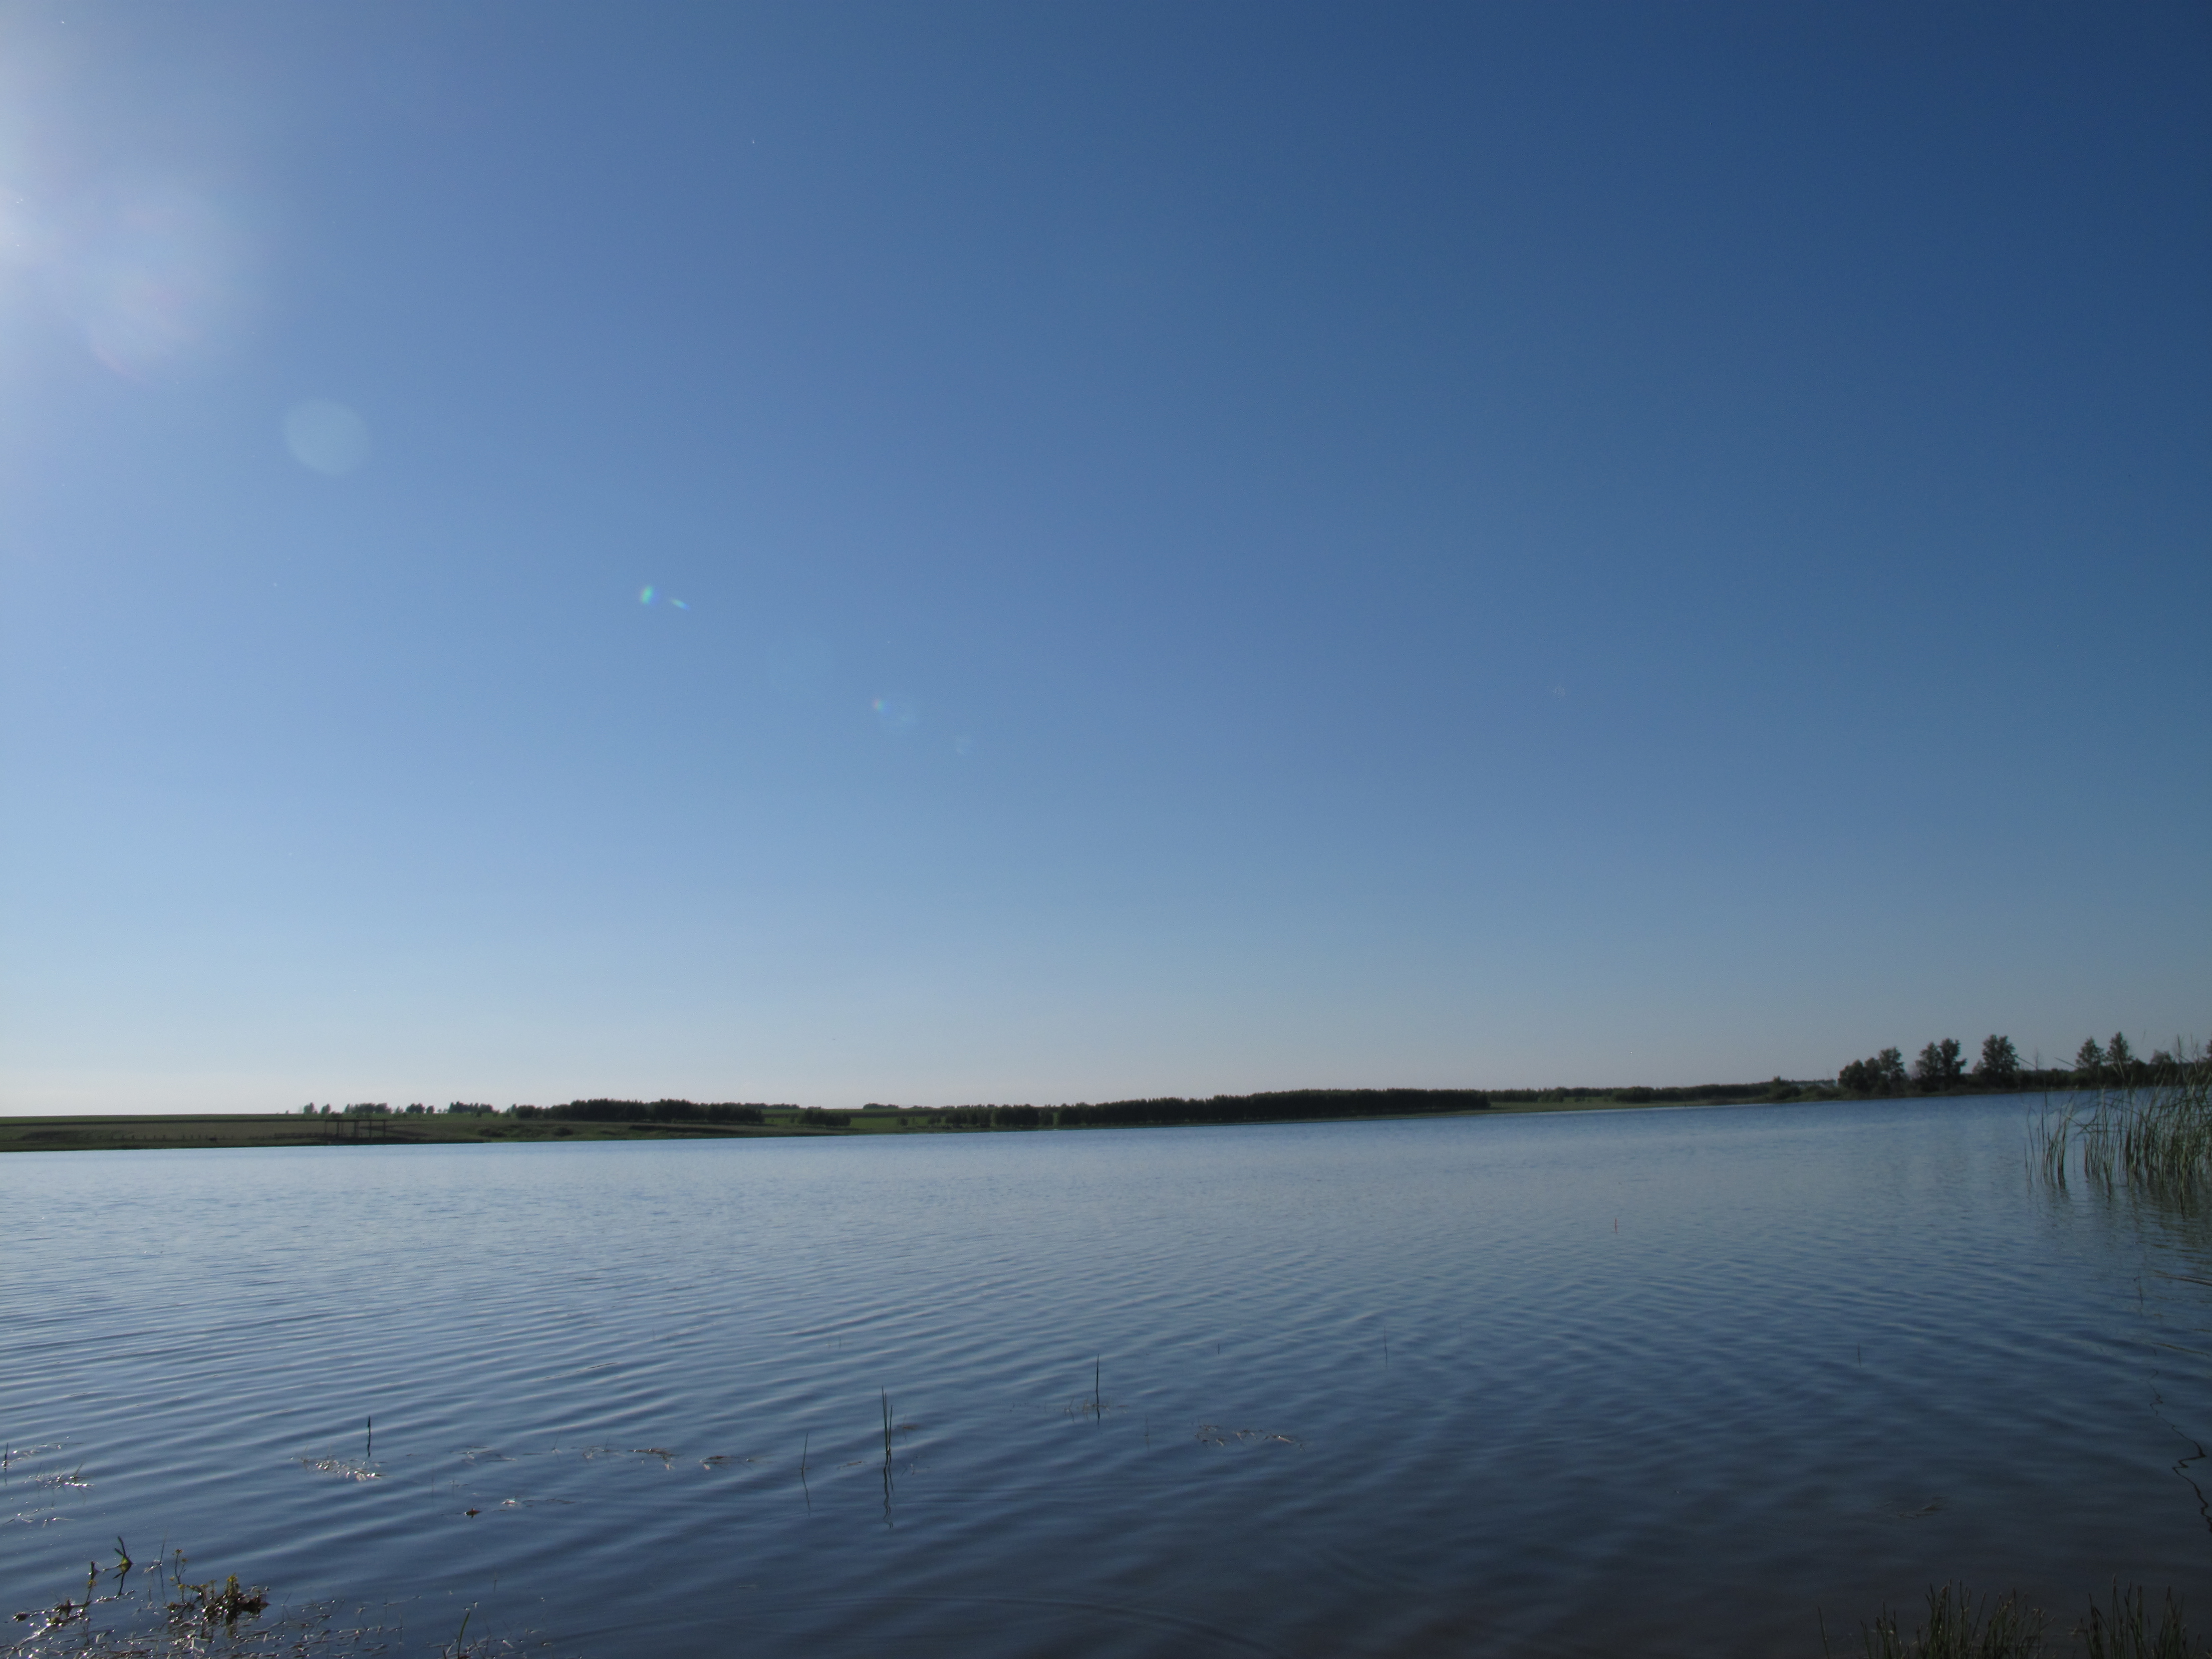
180,1132
187,1131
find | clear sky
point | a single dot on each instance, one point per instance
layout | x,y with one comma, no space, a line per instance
942,553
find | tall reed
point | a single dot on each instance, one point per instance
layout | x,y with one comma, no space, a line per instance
2123,1632
2153,1135
1959,1628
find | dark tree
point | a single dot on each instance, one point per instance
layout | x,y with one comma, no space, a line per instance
1882,1075
2089,1058
1889,1065
2119,1053
1281,1106
1940,1066
1999,1066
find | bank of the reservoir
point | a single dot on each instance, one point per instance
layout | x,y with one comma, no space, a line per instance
667,1120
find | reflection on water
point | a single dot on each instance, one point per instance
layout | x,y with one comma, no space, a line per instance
1680,1381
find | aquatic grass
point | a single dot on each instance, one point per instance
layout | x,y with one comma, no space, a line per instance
1958,1627
205,1606
2123,1633
229,1619
2151,1134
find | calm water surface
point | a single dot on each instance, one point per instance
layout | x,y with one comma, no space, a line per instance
1671,1381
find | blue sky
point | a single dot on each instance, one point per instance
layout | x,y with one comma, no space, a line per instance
1220,547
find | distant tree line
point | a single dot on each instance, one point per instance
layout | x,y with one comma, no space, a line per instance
1279,1106
655,1111
379,1108
2116,1064
1638,1095
1287,1105
1940,1068
993,1117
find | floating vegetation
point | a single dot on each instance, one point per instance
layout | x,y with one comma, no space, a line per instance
206,1606
122,1622
11,1453
44,1490
2150,1133
168,1618
1212,1434
344,1468
1915,1511
592,1454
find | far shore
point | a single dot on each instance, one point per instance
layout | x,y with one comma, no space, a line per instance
686,1120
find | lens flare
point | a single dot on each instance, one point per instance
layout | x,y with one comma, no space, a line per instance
896,715
148,272
645,596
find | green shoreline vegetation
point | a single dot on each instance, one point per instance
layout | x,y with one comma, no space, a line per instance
2103,1072
377,1123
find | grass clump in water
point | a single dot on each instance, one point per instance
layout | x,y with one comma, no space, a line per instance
2153,1133
168,1618
206,1607
2123,1633
1959,1628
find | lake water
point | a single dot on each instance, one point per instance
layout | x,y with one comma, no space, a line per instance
1667,1382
